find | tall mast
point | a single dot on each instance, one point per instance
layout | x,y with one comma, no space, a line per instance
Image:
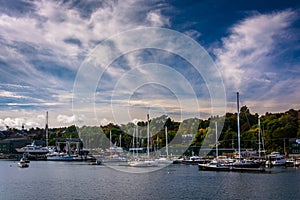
238,124
148,135
259,137
167,148
46,128
217,153
133,140
137,140
110,142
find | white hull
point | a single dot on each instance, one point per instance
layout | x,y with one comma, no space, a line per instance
164,161
33,149
22,164
143,163
43,151
276,159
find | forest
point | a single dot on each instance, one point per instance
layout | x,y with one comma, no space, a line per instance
275,129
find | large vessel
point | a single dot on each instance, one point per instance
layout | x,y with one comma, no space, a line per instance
33,149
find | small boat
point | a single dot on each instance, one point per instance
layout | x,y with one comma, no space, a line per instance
213,166
275,159
297,162
194,160
217,164
96,162
245,164
290,163
23,164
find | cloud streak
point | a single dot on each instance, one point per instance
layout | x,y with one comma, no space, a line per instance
252,57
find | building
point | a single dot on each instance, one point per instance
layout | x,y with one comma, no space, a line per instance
294,147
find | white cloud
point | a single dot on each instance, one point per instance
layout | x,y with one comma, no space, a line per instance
42,48
66,119
10,94
251,46
156,19
27,119
105,121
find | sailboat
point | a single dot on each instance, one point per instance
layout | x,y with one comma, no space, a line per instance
215,164
116,154
240,164
166,160
145,162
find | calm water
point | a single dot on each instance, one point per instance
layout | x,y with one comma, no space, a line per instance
59,180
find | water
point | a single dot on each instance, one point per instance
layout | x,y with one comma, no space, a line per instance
62,180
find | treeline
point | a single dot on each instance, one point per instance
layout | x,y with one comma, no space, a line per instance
276,129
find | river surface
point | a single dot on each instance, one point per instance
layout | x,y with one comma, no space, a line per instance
63,180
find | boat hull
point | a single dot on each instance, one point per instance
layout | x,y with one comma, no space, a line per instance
144,163
23,165
206,167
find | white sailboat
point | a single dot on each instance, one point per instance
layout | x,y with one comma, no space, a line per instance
145,162
240,164
166,160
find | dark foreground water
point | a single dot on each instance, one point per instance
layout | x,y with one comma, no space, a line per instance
60,180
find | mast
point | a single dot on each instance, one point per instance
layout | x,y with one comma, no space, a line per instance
137,140
133,146
110,142
167,148
238,124
148,135
110,139
46,128
259,137
217,153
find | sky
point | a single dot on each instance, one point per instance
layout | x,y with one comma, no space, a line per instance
52,59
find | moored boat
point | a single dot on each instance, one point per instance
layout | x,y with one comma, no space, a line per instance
241,164
33,149
194,160
143,163
213,166
275,159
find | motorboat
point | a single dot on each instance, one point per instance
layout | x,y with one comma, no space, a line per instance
194,160
213,166
275,159
33,149
23,164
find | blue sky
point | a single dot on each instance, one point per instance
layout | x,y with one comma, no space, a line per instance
254,45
